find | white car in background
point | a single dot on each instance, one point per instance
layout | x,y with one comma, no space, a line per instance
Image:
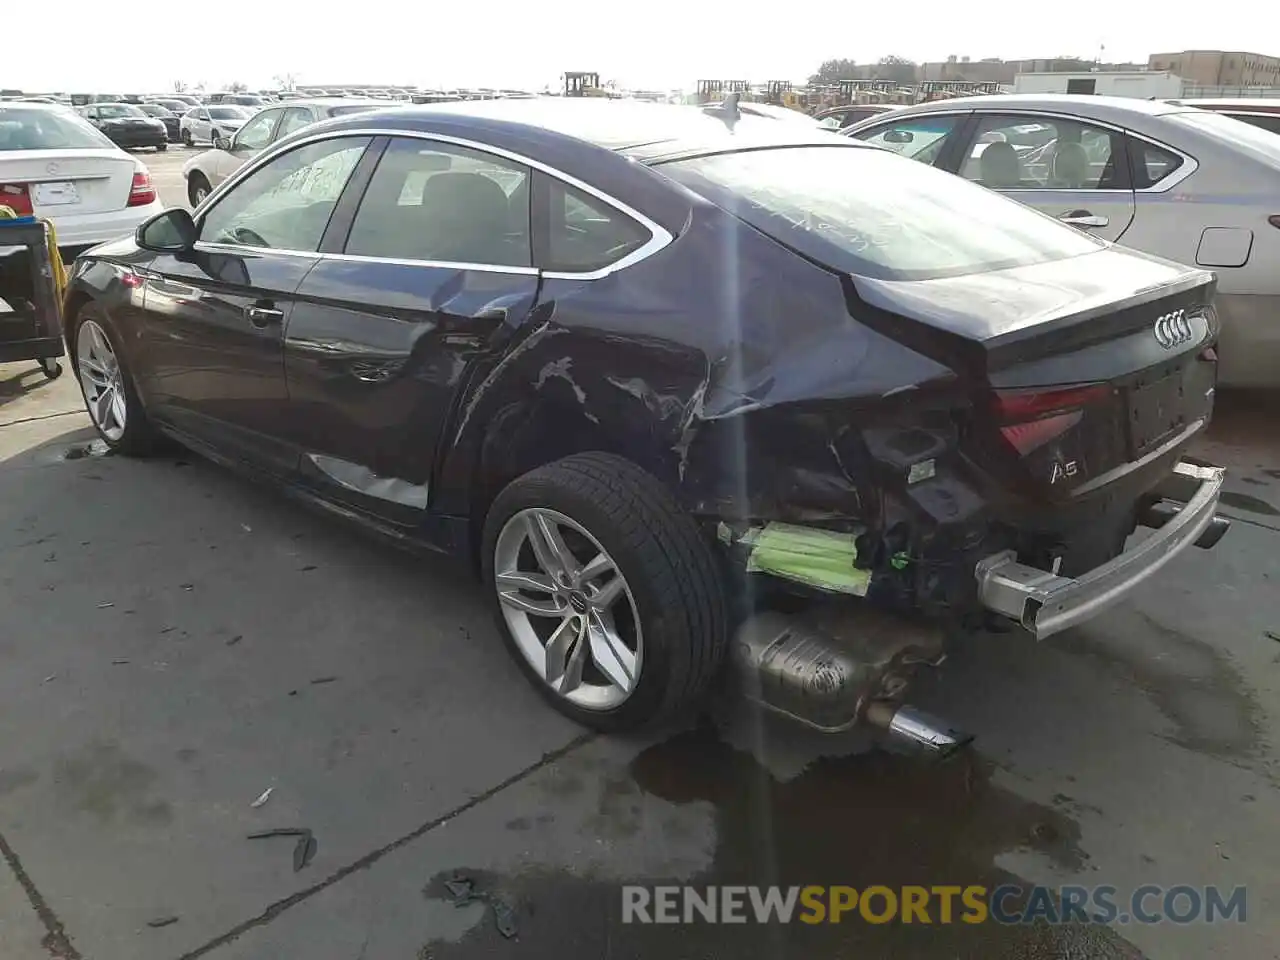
208,122
57,166
205,171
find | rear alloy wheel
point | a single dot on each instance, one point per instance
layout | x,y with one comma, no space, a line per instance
606,593
109,396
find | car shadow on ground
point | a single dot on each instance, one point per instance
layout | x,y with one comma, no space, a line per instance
201,637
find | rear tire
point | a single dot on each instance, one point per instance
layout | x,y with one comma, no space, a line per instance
668,573
161,147
136,436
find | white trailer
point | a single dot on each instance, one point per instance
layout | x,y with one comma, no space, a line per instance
1142,84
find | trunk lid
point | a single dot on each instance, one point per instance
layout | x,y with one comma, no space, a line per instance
60,183
1086,371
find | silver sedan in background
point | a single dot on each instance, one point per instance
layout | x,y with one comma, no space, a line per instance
1171,180
207,170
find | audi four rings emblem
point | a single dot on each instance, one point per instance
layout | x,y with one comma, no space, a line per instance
1173,329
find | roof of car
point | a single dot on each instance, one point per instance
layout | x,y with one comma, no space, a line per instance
638,128
1098,107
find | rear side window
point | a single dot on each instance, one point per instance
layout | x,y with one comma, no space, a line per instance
872,214
1152,164
585,233
441,202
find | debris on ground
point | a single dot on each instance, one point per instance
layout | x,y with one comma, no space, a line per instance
462,891
52,676
116,663
319,680
1272,634
162,921
262,798
105,604
304,850
236,639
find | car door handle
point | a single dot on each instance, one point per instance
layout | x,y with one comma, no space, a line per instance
263,316
1083,218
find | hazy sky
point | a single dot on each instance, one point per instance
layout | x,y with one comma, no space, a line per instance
653,43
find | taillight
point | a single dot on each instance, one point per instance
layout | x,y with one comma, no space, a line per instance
1031,418
142,192
16,197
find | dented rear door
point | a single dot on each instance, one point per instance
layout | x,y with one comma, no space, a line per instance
387,331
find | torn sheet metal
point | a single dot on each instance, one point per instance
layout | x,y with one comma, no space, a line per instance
823,559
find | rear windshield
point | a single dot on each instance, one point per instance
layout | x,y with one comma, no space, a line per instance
118,110
871,213
28,129
354,108
1255,141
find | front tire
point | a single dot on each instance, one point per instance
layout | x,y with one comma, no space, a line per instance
106,383
161,147
197,189
605,592
186,138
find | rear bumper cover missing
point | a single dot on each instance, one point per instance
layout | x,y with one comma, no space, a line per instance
1045,604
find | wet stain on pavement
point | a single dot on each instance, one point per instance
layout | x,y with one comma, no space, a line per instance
1196,688
864,820
15,778
1242,501
101,780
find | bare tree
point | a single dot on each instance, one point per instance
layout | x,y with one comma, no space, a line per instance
286,81
179,87
829,71
237,87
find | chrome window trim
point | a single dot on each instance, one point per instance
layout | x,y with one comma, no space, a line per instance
659,236
1189,163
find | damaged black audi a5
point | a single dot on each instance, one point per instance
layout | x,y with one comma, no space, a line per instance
691,392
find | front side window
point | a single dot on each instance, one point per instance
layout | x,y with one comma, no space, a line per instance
440,202
286,203
920,138
586,234
1044,153
868,213
256,134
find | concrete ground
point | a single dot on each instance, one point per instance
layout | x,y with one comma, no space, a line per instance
179,641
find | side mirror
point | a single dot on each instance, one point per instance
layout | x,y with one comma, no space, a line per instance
170,232
899,136
222,143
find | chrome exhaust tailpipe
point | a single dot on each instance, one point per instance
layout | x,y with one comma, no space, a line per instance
917,729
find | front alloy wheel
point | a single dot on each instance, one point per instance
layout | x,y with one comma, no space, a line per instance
102,380
569,609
